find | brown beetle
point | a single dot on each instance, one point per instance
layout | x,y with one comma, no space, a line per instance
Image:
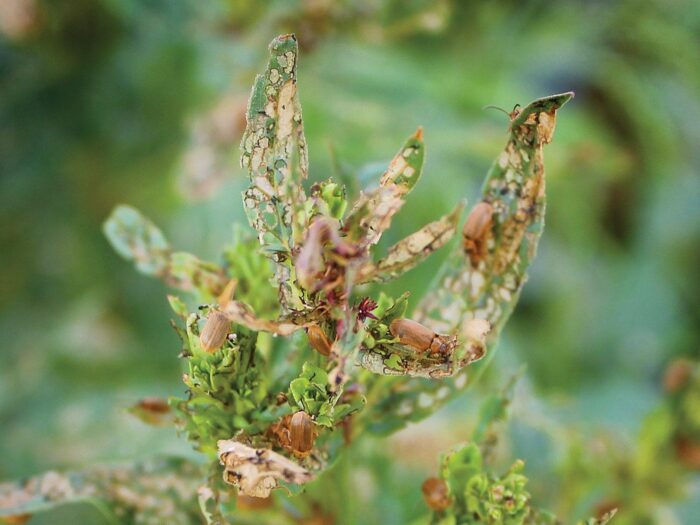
688,452
244,502
436,494
318,340
155,405
476,232
218,325
16,519
421,338
153,411
302,433
677,374
215,330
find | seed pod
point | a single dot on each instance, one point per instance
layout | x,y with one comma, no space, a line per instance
215,331
436,494
302,433
476,231
318,340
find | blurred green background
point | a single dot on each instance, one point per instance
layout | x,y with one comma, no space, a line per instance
111,101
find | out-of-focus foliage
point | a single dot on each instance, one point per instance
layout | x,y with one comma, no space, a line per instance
480,497
100,112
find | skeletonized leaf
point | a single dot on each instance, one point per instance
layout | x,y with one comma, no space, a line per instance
137,239
274,149
372,213
412,250
407,165
274,153
463,294
256,472
515,188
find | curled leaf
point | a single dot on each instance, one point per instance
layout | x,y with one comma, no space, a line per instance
515,190
241,313
465,297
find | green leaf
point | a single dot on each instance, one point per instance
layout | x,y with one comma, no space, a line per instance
298,388
178,306
137,239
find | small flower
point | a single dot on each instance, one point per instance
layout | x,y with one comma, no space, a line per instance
364,309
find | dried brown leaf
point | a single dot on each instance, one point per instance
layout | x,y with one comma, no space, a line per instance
256,472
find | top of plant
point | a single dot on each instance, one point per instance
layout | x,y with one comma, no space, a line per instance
248,371
279,378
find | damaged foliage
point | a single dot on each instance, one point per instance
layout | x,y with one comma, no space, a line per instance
321,252
480,282
313,353
136,238
257,471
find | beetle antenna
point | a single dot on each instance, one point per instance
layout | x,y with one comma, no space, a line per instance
491,106
511,115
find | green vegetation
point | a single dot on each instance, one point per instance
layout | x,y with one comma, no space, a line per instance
151,110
